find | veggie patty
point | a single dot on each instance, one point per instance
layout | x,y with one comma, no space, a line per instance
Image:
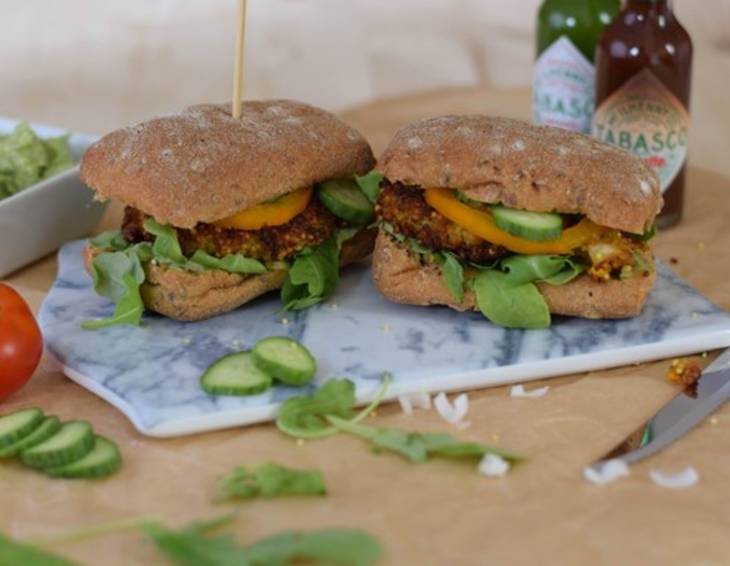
406,209
312,227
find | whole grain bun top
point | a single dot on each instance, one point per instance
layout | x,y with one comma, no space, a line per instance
498,160
202,165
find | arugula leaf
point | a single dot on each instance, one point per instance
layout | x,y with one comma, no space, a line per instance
418,446
453,275
108,271
303,416
643,266
129,308
111,239
193,546
510,305
233,263
166,244
349,547
554,269
12,552
370,185
270,480
315,273
648,234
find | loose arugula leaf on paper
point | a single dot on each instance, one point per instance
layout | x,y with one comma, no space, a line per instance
20,554
269,480
329,410
197,546
418,446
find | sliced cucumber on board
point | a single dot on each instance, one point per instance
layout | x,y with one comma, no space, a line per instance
72,441
15,426
536,226
103,459
48,427
343,198
285,359
235,374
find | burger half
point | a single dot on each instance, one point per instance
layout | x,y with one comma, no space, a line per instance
221,210
515,221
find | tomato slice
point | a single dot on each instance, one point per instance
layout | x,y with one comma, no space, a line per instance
21,342
275,213
481,224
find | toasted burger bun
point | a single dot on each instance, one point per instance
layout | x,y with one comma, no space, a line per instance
187,296
401,278
203,165
498,160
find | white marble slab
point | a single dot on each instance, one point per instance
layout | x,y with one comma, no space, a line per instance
151,372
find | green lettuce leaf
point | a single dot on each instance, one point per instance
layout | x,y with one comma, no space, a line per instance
370,185
270,480
508,304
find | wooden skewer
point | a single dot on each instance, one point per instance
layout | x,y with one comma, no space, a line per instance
238,70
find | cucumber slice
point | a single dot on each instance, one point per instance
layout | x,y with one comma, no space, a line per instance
235,374
286,359
48,427
536,226
15,426
72,441
103,460
343,198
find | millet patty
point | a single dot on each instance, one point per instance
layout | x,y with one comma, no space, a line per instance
313,226
405,208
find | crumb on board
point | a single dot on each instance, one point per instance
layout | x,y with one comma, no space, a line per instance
713,420
300,442
701,245
684,371
673,260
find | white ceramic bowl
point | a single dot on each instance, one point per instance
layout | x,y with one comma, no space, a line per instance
43,217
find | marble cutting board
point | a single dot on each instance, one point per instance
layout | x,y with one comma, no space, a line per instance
151,372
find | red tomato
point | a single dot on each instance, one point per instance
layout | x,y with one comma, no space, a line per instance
21,342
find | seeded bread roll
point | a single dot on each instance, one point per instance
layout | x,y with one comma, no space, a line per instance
538,168
202,165
187,296
401,278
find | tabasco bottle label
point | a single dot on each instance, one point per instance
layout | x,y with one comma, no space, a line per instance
564,87
646,118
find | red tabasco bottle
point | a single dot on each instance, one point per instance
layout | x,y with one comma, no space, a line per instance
643,66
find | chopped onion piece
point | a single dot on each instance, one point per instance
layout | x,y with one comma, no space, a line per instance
610,472
452,413
493,465
686,478
519,391
419,400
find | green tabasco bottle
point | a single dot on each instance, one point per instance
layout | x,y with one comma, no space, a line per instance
564,79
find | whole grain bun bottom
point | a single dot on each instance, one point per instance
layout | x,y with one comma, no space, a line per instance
403,279
187,296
